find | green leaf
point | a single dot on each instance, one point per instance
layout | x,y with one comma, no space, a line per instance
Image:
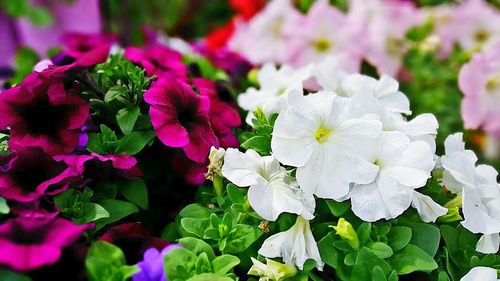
107,251
4,208
261,144
180,264
197,246
105,262
398,237
242,236
378,274
411,259
136,192
235,194
380,249
365,260
338,208
425,236
363,232
195,226
114,92
92,212
209,277
223,264
332,257
117,210
203,265
134,142
13,276
126,118
196,211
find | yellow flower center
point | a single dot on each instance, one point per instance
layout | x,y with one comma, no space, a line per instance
493,82
322,134
322,45
481,36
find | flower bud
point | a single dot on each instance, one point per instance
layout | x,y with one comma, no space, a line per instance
345,230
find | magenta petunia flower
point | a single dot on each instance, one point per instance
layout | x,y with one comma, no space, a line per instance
157,60
152,264
35,239
29,173
180,117
192,172
40,113
133,239
479,81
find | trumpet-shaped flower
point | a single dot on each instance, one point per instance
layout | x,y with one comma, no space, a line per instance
272,190
275,85
402,166
458,164
481,273
180,117
322,135
428,210
329,74
295,245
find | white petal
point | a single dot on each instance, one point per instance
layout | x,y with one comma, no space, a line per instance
428,210
481,273
240,168
381,199
454,143
478,218
460,166
488,243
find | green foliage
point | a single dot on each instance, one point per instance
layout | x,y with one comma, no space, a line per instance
13,276
197,261
260,139
24,61
106,142
4,146
4,208
77,206
106,262
38,15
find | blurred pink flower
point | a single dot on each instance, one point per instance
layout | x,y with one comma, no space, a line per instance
324,31
384,24
157,60
479,81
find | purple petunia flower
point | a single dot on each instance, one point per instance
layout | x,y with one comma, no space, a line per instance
35,239
152,265
180,117
158,60
29,173
40,113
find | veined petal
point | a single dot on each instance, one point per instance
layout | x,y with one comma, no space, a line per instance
428,210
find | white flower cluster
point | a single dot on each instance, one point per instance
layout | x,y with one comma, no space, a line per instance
349,138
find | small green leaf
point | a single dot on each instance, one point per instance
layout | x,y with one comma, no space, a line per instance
197,246
338,208
366,259
209,277
134,142
223,264
92,212
196,211
136,192
380,249
235,194
107,251
411,259
378,274
126,118
261,144
117,210
180,264
114,92
195,226
398,237
203,265
242,236
425,236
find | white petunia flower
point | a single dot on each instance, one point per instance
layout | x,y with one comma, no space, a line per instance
479,189
403,166
329,74
275,85
272,270
272,190
322,136
481,273
428,210
295,245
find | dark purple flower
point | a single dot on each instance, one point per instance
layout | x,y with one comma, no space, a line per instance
29,173
234,64
40,113
35,239
152,265
158,60
133,239
180,117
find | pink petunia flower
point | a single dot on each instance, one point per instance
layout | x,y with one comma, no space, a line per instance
29,173
35,239
384,24
157,60
40,113
180,117
479,81
473,24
